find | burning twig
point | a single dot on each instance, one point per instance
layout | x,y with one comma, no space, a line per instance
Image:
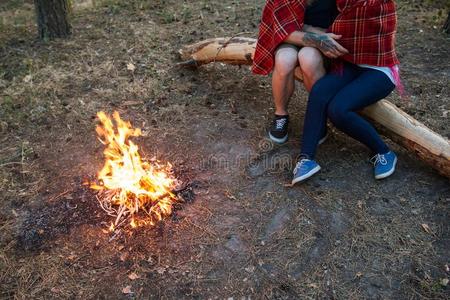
130,188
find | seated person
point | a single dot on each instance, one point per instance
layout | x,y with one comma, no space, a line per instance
367,74
292,34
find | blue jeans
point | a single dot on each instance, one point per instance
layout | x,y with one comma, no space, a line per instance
339,97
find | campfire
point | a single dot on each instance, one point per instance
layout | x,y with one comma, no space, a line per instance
133,191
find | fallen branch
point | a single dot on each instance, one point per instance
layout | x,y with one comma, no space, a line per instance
395,123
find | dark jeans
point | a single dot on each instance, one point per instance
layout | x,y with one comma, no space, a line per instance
340,96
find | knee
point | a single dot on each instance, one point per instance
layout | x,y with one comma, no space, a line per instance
337,113
319,96
321,91
285,64
310,60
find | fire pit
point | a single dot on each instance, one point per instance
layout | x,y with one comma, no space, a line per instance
135,192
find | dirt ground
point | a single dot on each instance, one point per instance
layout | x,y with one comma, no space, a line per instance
243,233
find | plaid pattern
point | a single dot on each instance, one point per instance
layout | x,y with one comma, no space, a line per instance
279,19
368,31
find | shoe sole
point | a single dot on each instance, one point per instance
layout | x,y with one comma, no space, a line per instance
306,176
388,173
277,140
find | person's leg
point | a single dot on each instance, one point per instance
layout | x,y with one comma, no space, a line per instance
316,111
283,77
316,117
312,66
369,87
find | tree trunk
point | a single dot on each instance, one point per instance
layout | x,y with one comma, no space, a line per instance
395,123
53,18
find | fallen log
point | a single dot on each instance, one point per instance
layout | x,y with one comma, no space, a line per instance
414,136
395,123
235,51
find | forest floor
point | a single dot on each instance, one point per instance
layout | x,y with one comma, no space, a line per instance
246,233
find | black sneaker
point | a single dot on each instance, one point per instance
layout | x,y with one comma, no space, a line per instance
278,131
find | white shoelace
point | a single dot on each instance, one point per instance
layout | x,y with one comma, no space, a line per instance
299,165
378,158
280,123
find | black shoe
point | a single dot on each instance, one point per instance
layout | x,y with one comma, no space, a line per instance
278,131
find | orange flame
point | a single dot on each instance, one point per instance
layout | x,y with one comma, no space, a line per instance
132,185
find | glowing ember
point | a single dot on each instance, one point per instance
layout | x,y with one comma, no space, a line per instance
131,189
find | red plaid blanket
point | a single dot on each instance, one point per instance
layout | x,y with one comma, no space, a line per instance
279,19
367,28
368,31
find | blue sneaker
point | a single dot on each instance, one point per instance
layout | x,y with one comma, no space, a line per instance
304,169
384,164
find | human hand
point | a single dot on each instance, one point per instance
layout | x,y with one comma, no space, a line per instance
326,43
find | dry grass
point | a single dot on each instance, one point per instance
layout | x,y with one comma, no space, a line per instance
245,235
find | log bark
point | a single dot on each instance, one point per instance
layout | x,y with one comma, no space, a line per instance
394,123
414,136
53,18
